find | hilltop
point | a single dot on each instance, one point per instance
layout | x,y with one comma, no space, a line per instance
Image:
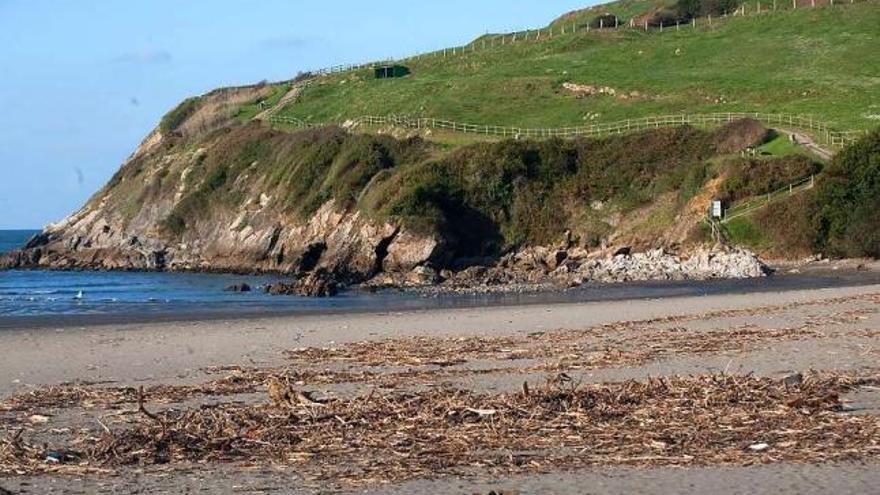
811,61
258,178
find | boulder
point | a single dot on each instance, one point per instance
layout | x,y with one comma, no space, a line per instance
238,288
422,275
316,284
624,251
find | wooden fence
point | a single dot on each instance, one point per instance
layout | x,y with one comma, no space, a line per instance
746,207
748,8
821,132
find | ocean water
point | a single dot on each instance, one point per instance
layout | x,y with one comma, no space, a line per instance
48,297
14,239
51,293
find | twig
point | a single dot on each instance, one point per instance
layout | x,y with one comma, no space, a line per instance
141,408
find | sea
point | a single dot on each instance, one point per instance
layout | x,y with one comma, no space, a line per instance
51,297
92,295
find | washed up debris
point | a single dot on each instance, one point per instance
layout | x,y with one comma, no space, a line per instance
284,395
794,380
38,419
394,437
482,412
61,456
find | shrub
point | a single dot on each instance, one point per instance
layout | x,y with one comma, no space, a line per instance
790,225
689,9
849,195
663,18
173,119
605,21
531,191
756,176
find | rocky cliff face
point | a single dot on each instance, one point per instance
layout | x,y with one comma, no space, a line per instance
207,193
244,226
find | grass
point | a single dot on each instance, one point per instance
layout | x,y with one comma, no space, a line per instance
780,145
820,62
744,231
252,108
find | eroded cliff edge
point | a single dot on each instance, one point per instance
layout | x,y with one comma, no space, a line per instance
207,192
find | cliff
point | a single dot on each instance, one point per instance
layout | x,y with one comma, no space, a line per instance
210,193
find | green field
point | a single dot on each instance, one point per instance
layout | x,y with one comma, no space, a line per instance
822,62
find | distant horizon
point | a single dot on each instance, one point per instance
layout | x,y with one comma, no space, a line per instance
82,90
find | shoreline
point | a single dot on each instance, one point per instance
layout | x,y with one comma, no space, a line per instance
141,352
74,382
416,299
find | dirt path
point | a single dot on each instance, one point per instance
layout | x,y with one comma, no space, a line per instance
808,142
290,97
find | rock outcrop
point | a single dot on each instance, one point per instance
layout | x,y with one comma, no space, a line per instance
315,284
543,268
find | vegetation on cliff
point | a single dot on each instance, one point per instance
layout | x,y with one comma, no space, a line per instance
848,201
838,218
481,199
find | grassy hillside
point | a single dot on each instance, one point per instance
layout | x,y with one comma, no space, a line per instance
482,196
819,61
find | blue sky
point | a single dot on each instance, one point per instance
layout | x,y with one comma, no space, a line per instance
82,81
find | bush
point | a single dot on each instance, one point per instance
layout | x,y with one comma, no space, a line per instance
529,192
689,9
173,119
604,21
757,176
790,226
663,18
849,195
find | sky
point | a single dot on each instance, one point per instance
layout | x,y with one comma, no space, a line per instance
82,82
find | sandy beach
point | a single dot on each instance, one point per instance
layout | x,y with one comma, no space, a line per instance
78,383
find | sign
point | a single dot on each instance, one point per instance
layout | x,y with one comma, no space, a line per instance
717,212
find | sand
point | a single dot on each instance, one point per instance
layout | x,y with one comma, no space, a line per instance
838,332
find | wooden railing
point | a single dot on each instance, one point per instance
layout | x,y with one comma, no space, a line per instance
820,131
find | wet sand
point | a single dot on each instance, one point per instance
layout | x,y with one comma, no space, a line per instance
777,334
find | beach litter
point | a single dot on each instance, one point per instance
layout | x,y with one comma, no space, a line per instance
378,438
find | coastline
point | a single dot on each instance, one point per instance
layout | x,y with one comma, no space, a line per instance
744,336
148,351
789,276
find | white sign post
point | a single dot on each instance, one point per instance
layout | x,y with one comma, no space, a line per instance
717,212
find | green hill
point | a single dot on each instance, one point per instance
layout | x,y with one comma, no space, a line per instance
818,61
229,181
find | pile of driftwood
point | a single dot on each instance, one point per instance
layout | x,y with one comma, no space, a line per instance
705,420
